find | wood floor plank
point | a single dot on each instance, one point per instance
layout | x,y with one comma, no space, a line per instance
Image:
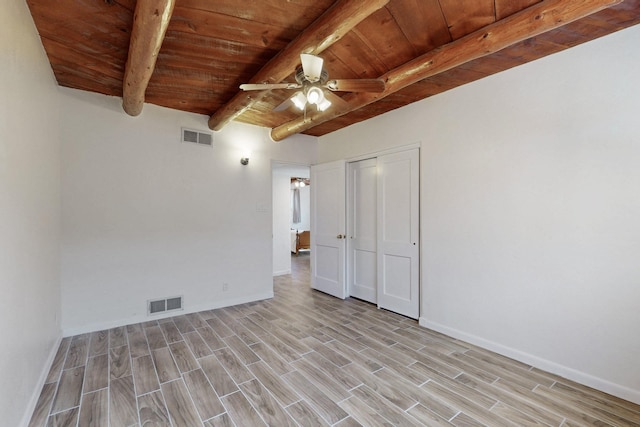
183,324
609,404
321,403
183,356
165,366
475,396
223,420
389,391
274,383
203,395
241,411
346,380
117,337
362,413
426,417
69,389
99,343
135,327
179,405
322,380
469,407
195,320
587,409
119,362
514,416
144,375
409,374
153,411
271,411
365,362
197,344
78,351
222,383
123,411
271,358
138,345
382,407
233,365
43,406
252,326
68,418
560,408
286,352
591,393
155,338
219,327
304,415
171,332
94,409
58,361
464,420
348,422
329,354
536,411
243,333
214,342
244,353
97,373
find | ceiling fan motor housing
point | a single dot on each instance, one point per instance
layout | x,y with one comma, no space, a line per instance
300,78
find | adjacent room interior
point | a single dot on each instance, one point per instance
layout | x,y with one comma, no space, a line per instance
527,238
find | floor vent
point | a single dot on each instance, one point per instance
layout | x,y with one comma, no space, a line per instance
163,305
196,137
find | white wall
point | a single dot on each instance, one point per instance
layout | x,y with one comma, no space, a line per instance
529,209
146,216
29,214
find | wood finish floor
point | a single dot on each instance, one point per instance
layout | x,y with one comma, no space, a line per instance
304,358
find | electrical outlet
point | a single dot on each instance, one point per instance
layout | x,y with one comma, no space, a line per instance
225,287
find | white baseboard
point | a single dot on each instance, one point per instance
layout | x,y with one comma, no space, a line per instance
584,378
44,372
281,272
93,327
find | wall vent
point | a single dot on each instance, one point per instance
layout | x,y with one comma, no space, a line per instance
163,305
197,137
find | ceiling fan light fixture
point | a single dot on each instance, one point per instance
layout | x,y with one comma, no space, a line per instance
324,104
311,66
299,100
315,95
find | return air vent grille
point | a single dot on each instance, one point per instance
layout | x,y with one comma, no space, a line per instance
196,137
163,305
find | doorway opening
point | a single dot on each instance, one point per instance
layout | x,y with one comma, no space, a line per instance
291,218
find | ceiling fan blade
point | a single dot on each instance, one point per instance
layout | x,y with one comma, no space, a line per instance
311,66
336,101
269,86
356,85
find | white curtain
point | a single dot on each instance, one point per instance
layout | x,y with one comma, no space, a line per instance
296,206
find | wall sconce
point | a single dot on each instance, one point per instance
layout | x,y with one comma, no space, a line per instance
244,159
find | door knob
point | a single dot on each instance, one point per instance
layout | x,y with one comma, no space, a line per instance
340,236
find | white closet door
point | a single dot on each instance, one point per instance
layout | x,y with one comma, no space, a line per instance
362,229
398,233
328,228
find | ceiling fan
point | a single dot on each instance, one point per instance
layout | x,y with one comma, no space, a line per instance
311,78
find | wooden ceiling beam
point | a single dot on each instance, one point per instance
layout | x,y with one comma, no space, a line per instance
530,22
150,21
330,27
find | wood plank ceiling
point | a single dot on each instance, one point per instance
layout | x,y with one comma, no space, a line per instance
211,47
